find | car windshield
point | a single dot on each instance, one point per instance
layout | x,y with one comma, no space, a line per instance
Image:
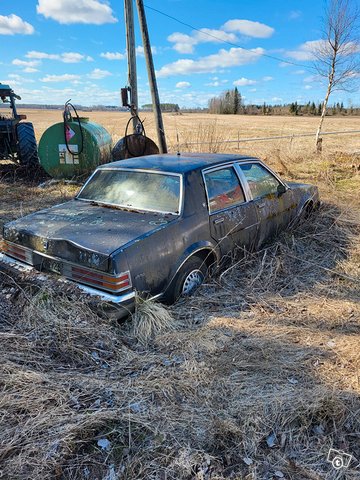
157,192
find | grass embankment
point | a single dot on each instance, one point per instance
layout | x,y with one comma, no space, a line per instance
254,377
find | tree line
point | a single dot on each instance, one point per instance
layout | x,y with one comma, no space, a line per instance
231,102
165,107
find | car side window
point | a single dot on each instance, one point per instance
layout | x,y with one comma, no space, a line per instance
261,182
223,188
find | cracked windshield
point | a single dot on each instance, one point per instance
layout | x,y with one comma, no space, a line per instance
137,190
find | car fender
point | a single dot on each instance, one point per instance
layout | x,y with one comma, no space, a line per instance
202,246
310,196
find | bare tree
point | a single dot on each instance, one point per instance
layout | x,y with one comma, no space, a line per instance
337,54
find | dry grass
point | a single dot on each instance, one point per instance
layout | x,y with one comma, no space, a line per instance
189,126
149,320
254,377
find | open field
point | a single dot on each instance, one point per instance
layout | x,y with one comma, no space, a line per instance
204,127
255,377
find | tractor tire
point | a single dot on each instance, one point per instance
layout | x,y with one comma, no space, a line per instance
27,147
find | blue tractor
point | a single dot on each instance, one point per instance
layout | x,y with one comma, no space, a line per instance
17,138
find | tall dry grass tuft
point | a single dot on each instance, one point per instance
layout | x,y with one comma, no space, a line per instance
149,320
201,138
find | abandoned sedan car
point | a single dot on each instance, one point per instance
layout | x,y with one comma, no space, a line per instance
155,224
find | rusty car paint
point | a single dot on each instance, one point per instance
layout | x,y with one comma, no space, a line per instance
154,246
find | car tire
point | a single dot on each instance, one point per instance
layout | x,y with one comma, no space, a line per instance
27,147
190,276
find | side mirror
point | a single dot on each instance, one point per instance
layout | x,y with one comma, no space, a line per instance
281,189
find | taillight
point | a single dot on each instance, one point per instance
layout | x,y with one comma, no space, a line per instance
111,283
17,251
103,281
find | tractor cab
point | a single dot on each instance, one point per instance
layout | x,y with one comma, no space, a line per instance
7,95
17,138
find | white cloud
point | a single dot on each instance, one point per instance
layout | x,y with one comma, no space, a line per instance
113,55
41,55
185,43
98,74
73,57
12,24
15,77
30,70
252,90
276,99
248,28
243,82
94,12
295,14
182,43
216,82
311,78
67,57
85,94
298,72
66,77
211,63
9,81
25,63
267,79
308,87
15,80
140,50
183,85
352,74
305,51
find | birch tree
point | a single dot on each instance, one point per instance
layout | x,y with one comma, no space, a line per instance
337,54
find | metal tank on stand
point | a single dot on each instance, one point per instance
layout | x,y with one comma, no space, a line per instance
74,147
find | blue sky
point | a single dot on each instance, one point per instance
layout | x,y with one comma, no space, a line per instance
53,50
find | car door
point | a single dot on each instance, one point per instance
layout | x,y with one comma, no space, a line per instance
271,197
233,220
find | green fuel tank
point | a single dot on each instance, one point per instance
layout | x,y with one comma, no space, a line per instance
86,146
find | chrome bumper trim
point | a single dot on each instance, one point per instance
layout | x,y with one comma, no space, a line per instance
16,263
107,297
126,298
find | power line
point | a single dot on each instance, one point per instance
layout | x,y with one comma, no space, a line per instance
278,59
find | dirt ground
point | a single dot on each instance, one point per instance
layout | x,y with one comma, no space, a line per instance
255,377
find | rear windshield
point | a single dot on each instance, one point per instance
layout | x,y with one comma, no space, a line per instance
157,192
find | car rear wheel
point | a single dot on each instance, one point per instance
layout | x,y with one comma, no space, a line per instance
190,276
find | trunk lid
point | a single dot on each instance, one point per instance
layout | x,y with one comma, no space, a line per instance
81,232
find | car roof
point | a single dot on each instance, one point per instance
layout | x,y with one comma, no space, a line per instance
179,163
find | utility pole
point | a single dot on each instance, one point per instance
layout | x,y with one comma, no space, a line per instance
131,58
152,78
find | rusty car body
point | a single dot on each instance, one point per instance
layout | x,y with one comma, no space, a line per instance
155,224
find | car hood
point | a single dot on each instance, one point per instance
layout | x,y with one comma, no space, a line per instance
78,231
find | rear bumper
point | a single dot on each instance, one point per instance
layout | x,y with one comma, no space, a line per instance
114,306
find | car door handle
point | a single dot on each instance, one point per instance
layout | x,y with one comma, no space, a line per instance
219,220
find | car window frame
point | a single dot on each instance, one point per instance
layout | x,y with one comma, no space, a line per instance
268,169
221,167
139,170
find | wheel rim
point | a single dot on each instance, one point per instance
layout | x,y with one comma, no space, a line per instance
192,281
